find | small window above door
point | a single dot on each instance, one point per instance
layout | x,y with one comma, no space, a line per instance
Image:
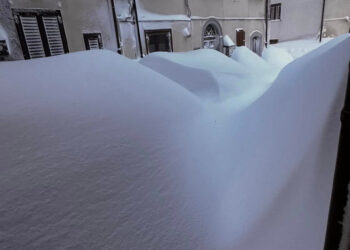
158,40
93,41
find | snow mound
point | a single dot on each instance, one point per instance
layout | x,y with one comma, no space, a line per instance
250,60
297,123
204,59
100,152
208,74
277,57
212,76
198,81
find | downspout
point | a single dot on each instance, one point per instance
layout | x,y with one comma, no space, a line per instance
322,19
188,9
266,22
138,29
189,15
341,180
115,21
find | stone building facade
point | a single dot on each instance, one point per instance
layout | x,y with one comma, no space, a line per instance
300,19
36,28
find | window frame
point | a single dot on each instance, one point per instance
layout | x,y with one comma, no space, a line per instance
276,11
159,31
219,36
99,39
39,14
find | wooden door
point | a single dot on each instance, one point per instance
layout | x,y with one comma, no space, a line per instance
240,37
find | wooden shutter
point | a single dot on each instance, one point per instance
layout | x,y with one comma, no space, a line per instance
41,32
53,35
93,43
32,36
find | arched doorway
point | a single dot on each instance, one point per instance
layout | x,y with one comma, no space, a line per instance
212,35
256,42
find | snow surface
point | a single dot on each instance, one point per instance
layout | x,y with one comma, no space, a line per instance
101,152
214,77
299,48
276,56
145,15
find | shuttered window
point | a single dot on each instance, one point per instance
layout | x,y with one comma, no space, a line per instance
53,34
93,41
41,33
32,36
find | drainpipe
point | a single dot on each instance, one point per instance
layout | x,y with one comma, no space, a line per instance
322,19
115,20
266,22
138,29
341,180
188,9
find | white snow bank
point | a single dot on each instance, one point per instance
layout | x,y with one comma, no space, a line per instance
198,81
299,48
204,59
145,15
87,154
250,60
207,73
100,152
294,129
277,57
212,76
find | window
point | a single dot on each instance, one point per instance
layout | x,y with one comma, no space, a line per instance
41,33
158,40
212,35
275,11
273,41
93,41
4,51
256,42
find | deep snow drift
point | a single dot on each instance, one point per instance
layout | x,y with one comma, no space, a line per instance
213,77
100,152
